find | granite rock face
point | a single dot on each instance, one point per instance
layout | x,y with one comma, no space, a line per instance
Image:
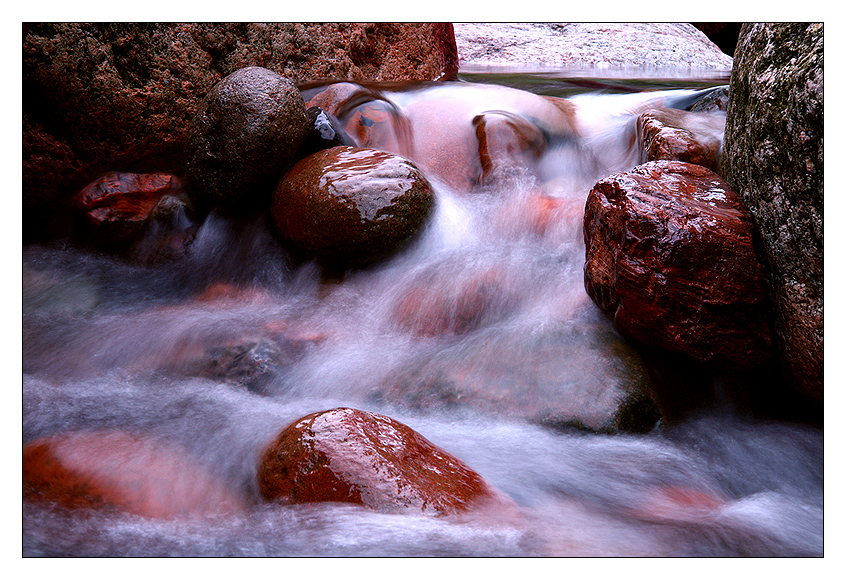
773,157
670,258
587,45
104,97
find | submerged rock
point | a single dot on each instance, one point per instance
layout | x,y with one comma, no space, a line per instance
678,135
351,206
670,258
247,130
348,455
118,470
773,157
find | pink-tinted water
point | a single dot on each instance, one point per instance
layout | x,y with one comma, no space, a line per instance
109,345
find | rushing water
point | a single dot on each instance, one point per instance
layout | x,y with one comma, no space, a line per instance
108,344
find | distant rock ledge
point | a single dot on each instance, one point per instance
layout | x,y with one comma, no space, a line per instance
616,48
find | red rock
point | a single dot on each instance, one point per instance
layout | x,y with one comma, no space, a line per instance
351,206
122,202
127,472
347,455
678,135
670,258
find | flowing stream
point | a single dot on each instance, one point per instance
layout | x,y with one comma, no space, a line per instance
521,396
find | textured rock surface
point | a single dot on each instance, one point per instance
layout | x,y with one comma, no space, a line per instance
773,157
247,130
350,205
678,135
347,455
670,258
118,96
131,473
665,46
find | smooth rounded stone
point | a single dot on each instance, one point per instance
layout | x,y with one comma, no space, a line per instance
112,469
773,157
351,206
678,135
670,259
353,456
247,130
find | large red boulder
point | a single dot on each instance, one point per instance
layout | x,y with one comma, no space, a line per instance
351,206
104,96
123,471
670,258
347,455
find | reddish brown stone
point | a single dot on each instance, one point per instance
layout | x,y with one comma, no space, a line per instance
670,258
124,201
347,455
350,205
122,471
680,135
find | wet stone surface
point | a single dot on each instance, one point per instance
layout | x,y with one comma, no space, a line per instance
670,258
351,206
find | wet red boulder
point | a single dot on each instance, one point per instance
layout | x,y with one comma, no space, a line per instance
123,471
351,206
670,258
348,455
678,135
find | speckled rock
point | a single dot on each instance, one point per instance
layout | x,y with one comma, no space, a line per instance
773,156
587,45
348,455
670,258
112,469
351,206
247,130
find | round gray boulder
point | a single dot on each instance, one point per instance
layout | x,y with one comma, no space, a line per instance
246,132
